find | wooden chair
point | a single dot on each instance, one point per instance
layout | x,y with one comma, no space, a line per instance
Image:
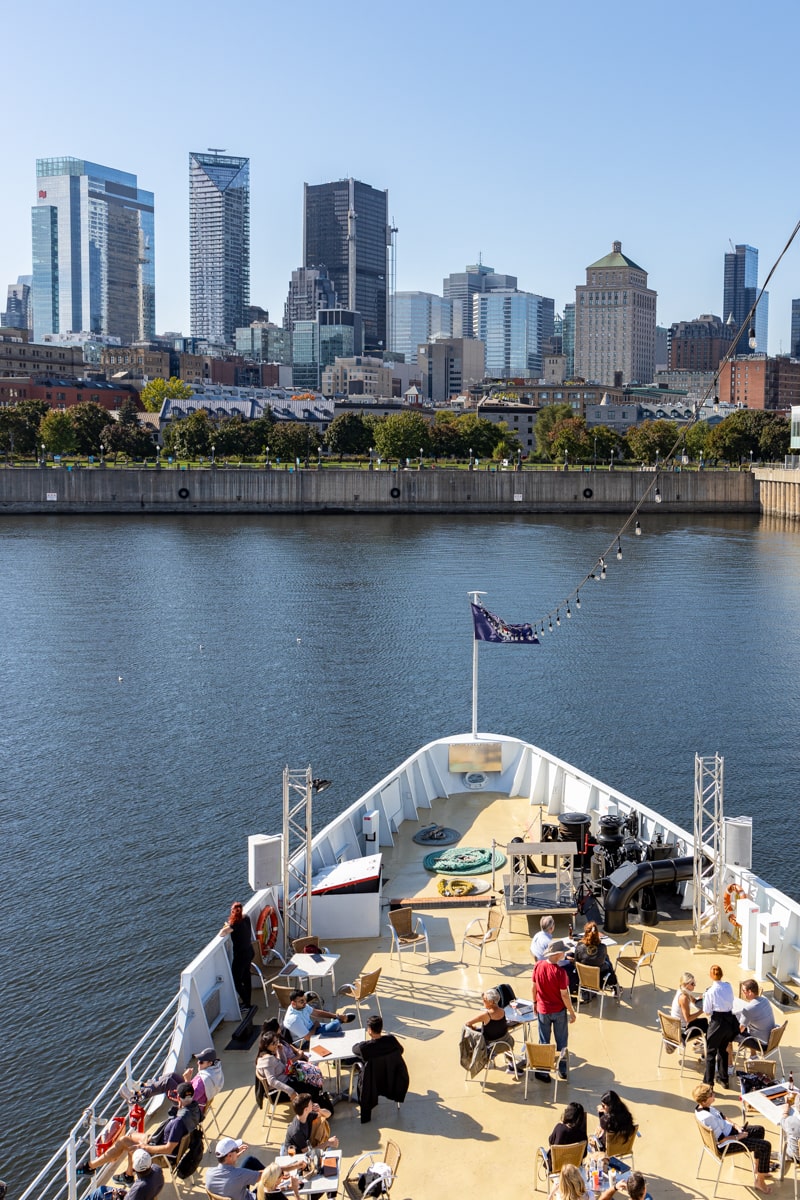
503,1045
719,1153
283,994
485,933
762,1066
391,1156
589,979
362,988
260,973
209,1112
772,1049
299,944
641,958
270,1106
541,1058
618,1146
171,1164
672,1039
213,1195
550,1160
407,932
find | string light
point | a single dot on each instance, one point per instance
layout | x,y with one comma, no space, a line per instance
549,625
638,529
602,568
657,496
577,599
558,618
569,610
619,550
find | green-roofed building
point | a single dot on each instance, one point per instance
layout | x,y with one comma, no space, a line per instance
615,322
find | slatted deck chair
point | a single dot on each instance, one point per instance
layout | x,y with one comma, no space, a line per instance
760,1066
262,973
541,1058
772,1050
391,1156
362,988
299,944
719,1153
171,1164
481,933
271,1101
209,1114
589,979
618,1146
408,931
503,1045
283,995
550,1160
672,1039
635,957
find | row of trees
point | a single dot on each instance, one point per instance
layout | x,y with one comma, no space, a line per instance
560,436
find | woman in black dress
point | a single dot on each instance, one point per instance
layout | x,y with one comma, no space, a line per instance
241,934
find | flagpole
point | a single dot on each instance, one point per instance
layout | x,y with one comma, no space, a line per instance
474,600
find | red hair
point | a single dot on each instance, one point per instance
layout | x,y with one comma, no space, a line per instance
237,913
591,935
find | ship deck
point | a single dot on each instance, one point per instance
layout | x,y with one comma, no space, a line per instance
459,1140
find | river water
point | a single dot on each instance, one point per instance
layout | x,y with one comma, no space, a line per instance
158,673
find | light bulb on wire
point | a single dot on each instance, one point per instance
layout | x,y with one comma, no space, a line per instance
558,618
569,610
619,550
577,600
602,568
657,496
638,530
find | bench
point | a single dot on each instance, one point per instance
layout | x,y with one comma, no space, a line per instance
242,1037
781,994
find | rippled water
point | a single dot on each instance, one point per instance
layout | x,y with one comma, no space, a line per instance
157,674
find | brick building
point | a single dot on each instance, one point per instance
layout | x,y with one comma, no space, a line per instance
756,381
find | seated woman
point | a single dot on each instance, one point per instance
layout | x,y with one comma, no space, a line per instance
615,1117
492,1022
751,1136
269,1185
590,952
570,1185
686,1007
571,1129
281,1066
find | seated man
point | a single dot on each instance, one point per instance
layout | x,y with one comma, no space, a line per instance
206,1083
384,1072
302,1134
634,1185
302,1021
149,1181
756,1020
228,1178
540,942
164,1140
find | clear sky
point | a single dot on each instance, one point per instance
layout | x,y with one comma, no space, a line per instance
532,134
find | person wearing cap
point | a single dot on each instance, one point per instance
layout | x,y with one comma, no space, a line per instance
301,1020
552,1001
148,1184
169,1137
206,1083
230,1179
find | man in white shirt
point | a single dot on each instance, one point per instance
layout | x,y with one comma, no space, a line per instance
301,1020
540,942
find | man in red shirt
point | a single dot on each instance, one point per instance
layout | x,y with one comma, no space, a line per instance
552,1002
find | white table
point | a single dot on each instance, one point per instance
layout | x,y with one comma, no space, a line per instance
337,1047
520,1012
764,1103
318,1185
311,966
586,1172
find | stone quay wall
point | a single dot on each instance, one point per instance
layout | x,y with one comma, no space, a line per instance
256,490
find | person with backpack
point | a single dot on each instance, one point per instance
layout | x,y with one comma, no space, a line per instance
166,1139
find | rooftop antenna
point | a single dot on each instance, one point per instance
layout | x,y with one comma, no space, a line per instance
216,149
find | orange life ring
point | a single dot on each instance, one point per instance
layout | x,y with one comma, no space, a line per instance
267,928
733,889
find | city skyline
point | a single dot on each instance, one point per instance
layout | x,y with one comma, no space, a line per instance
611,144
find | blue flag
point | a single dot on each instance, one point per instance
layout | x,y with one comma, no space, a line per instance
489,628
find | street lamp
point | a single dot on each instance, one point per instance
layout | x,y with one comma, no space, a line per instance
751,456
471,459
158,457
656,462
266,457
421,452
371,468
566,460
595,452
44,454
611,461
319,458
213,454
519,458
102,454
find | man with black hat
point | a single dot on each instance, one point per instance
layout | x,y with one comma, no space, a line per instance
164,1141
206,1083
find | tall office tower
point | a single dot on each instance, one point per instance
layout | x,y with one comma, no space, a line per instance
93,262
515,327
346,230
219,245
341,335
794,350
460,288
740,290
419,316
309,291
615,327
19,311
568,339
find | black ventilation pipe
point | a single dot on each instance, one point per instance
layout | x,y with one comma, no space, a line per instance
646,874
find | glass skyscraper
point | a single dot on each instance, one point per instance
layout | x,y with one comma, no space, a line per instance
93,261
419,316
740,289
346,230
219,245
514,327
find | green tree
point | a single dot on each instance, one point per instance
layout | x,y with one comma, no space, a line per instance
607,440
125,435
402,435
478,434
569,437
233,438
749,431
773,438
292,440
651,439
447,440
20,424
696,439
57,432
349,433
548,417
88,421
154,393
191,437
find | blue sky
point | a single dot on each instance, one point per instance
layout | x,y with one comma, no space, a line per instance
532,134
